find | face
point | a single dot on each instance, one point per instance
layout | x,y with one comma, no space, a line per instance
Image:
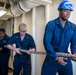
22,33
2,34
64,14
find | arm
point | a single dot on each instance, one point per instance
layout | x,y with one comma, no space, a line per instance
14,49
10,42
32,45
73,45
48,35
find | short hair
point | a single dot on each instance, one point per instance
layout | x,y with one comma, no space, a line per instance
23,27
2,30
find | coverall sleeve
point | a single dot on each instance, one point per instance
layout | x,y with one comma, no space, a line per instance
48,35
73,42
32,43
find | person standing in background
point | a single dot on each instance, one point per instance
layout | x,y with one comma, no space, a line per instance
22,40
4,52
59,33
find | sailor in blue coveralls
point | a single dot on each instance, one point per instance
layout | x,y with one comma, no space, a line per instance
22,40
4,52
59,33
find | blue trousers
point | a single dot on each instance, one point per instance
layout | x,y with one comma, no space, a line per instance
4,59
51,67
20,62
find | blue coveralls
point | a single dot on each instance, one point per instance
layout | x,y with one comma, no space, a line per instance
24,59
4,56
57,39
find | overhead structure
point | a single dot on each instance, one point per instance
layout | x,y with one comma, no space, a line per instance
22,6
41,2
26,5
3,10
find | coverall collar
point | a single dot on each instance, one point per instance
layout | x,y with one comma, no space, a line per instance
60,25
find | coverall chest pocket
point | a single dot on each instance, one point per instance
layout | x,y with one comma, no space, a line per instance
56,39
69,34
26,43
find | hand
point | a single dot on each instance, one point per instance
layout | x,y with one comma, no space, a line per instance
60,60
32,50
17,50
5,46
73,57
